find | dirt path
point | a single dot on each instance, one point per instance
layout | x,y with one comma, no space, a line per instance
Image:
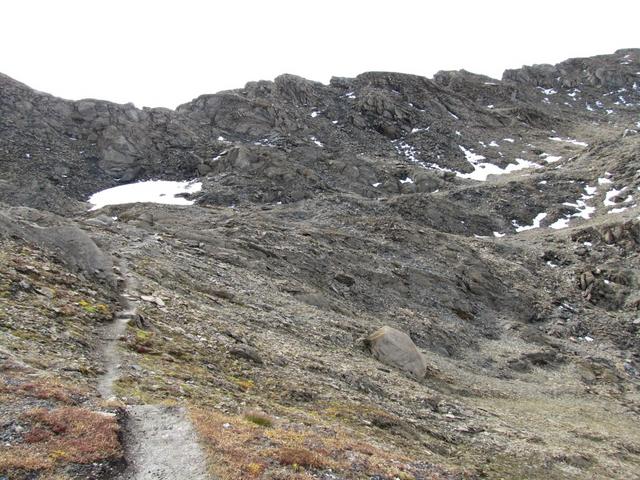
114,331
162,445
160,442
110,353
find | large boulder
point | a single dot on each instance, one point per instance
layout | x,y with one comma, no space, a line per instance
396,349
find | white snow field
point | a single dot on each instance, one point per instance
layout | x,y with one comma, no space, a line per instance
151,191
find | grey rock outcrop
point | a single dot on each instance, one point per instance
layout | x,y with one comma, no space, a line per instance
72,245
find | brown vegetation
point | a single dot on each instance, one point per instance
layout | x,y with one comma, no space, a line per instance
62,435
289,451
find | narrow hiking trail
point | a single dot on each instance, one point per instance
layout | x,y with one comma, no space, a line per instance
160,442
162,445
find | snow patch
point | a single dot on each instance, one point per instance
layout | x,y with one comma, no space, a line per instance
569,140
617,210
583,210
317,142
536,223
550,158
612,194
560,223
151,191
263,142
482,169
411,154
407,150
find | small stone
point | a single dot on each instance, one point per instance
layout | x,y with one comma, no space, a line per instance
247,353
47,292
345,279
151,299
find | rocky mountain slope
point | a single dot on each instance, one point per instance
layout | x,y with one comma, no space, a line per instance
493,222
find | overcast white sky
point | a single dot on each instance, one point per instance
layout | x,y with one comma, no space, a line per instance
163,53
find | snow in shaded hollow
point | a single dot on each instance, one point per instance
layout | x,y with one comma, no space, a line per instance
483,169
550,158
536,223
411,154
151,191
569,140
582,209
617,210
560,223
612,194
604,180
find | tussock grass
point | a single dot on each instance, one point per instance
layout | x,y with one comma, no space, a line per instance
259,418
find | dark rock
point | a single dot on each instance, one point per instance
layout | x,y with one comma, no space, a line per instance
246,352
345,279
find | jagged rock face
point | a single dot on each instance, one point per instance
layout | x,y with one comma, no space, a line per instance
74,148
597,71
351,134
